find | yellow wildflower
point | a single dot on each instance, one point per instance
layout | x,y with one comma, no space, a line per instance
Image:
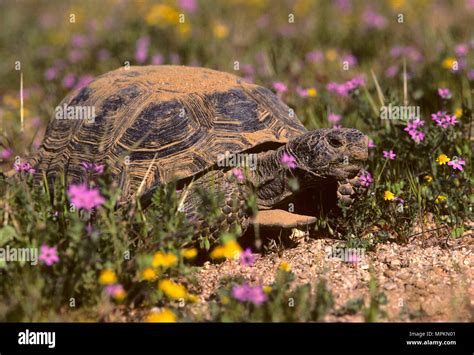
225,300
388,196
107,277
192,298
9,100
267,289
448,63
230,249
184,29
162,15
164,259
458,112
331,55
165,316
149,274
220,31
428,178
190,253
173,289
285,266
397,4
312,92
440,199
442,159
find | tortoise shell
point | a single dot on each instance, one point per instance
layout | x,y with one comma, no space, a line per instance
157,123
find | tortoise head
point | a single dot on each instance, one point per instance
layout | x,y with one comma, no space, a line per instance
330,153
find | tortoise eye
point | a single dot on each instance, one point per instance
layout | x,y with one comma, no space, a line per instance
335,142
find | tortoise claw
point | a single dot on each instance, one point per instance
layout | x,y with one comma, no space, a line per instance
349,188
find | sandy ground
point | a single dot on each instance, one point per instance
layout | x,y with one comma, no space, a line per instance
423,280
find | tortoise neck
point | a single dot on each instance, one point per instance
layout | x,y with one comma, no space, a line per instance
270,178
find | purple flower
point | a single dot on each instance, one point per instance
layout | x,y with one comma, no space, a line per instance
389,154
371,144
83,197
366,179
49,255
444,93
374,20
79,40
24,167
246,293
417,136
175,59
103,54
444,120
301,92
89,229
238,173
461,49
399,199
333,118
470,74
412,129
69,80
157,59
391,71
6,153
247,258
84,80
141,51
315,56
350,59
279,87
396,51
343,5
50,73
116,291
456,163
98,168
75,55
288,160
345,88
263,21
408,51
188,5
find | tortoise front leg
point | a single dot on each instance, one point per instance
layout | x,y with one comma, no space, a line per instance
232,196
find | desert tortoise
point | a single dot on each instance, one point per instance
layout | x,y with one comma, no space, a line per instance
154,124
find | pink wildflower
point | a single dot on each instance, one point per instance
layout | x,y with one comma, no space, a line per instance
334,118
389,154
49,255
366,179
247,258
279,87
444,93
238,173
83,197
456,163
288,160
246,293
